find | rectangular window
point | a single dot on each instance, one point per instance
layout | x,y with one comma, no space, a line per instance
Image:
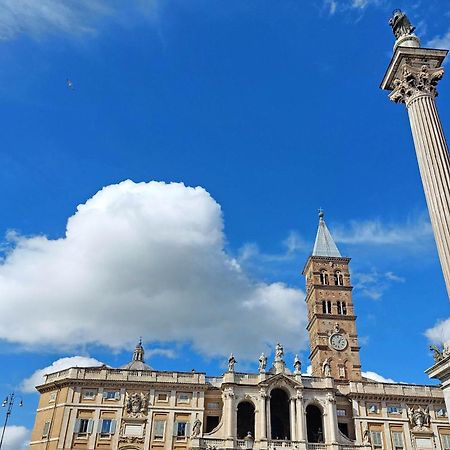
397,439
83,426
373,408
184,398
446,441
162,397
213,405
52,397
394,409
159,429
111,395
89,394
107,427
341,412
46,429
377,440
211,423
441,412
181,429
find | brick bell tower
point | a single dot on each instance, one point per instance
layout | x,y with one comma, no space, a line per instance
332,321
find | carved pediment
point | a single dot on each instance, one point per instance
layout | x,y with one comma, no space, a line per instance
280,380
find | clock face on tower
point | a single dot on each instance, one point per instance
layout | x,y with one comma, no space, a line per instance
338,342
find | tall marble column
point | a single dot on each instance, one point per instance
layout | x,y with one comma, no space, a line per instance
292,418
301,422
262,415
412,76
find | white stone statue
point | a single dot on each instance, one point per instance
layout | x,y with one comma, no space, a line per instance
326,368
262,363
279,352
366,436
297,365
196,428
231,363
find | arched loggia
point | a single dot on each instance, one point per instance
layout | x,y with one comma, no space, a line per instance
314,424
279,415
245,419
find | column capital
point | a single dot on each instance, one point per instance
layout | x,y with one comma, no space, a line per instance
415,82
413,72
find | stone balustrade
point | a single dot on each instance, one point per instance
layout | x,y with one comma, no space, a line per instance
107,374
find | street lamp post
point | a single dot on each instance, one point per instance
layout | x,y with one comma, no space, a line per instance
9,404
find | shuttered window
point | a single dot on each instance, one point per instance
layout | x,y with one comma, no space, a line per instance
46,429
446,441
397,439
160,426
377,440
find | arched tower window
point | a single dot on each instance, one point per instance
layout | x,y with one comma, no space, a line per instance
338,278
324,277
341,308
314,424
245,419
326,306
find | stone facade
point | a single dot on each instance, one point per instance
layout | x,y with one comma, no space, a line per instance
139,408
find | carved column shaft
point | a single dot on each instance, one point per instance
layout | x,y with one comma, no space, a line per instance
434,164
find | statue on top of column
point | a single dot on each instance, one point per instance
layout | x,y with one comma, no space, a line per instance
262,363
401,26
231,363
279,352
297,365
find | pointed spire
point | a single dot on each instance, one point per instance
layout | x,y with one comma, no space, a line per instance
324,245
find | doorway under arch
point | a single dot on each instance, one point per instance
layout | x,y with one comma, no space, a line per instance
314,424
279,415
245,419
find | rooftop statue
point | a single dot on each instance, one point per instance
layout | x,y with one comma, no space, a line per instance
401,26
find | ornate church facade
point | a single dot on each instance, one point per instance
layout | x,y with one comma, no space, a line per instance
336,408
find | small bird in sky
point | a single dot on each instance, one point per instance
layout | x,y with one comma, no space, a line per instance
70,84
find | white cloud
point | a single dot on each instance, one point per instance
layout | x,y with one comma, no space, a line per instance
16,438
440,333
38,18
144,259
37,378
373,284
377,377
374,232
440,41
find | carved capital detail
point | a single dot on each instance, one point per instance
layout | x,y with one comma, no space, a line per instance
415,82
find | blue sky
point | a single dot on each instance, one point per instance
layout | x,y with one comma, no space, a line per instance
270,109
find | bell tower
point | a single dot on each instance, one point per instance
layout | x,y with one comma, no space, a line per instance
331,318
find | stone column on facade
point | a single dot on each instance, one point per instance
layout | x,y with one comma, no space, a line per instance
412,77
229,411
332,419
292,418
268,424
262,415
300,417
